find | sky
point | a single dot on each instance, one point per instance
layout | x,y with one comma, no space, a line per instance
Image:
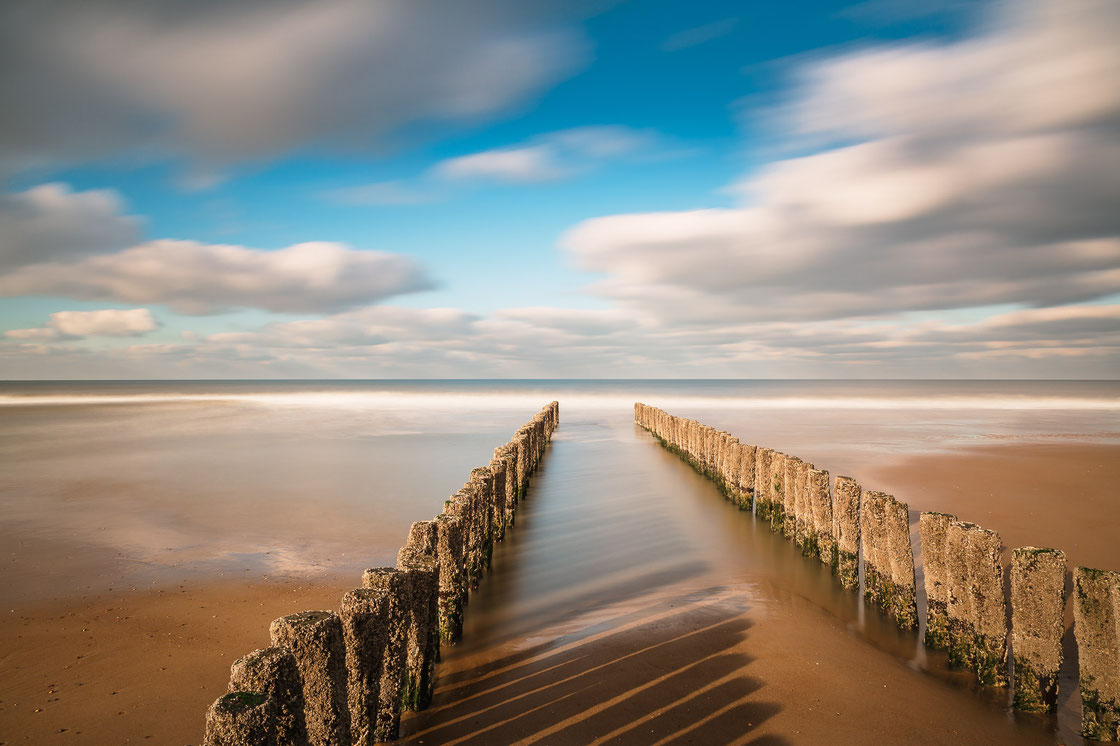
597,189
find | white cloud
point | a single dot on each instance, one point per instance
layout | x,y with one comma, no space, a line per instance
196,278
524,164
51,222
551,156
552,342
132,322
971,173
224,83
77,245
37,334
104,323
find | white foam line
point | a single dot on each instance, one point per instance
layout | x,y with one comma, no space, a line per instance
405,400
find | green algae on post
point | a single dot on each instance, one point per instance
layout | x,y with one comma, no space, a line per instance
1096,616
274,672
932,528
1037,606
240,719
374,627
846,530
421,571
888,557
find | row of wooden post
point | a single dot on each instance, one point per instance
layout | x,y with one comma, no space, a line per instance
963,571
343,679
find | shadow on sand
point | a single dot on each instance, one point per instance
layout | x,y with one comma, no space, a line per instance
671,672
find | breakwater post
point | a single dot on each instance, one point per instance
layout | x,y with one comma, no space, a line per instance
1038,578
976,608
264,704
932,530
820,503
963,570
845,530
315,640
1096,622
888,560
344,679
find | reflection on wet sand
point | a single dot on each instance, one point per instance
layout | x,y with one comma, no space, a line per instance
634,605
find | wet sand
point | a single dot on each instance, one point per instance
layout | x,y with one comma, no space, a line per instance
1033,494
138,666
650,610
631,604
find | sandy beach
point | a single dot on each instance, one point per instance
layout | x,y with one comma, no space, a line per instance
631,604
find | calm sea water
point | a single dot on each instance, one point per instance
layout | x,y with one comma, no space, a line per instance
114,485
127,482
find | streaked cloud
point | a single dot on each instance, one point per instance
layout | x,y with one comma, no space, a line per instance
551,156
522,164
549,342
221,83
197,278
77,245
972,173
50,222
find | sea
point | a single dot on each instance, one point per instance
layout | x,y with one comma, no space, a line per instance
109,486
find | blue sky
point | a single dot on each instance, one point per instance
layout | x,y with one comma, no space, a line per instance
595,189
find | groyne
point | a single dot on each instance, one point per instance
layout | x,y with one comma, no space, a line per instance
847,527
343,678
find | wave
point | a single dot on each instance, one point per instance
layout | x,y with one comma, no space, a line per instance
406,400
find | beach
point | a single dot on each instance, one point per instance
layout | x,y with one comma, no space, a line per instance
630,603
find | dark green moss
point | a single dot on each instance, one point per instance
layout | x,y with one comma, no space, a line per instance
810,546
937,626
872,585
1033,693
989,663
848,569
410,694
235,702
451,627
1100,719
960,644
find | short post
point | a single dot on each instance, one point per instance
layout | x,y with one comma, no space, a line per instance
1038,578
315,640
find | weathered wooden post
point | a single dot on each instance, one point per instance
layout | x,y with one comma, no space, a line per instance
820,500
988,606
498,497
790,484
762,503
482,482
747,454
374,628
932,531
846,531
274,673
315,640
420,601
241,719
888,557
1038,578
976,609
777,490
1096,618
452,576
